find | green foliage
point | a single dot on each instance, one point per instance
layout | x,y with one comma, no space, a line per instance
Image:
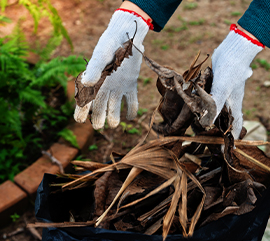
226,21
4,19
14,217
236,14
129,128
190,6
93,147
263,63
146,81
3,5
29,116
165,47
254,66
173,29
157,41
133,131
199,22
69,136
38,10
141,111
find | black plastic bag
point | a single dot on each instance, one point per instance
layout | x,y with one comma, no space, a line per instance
249,226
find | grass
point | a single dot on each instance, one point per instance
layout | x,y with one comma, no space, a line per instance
195,39
130,129
174,29
254,66
263,63
236,14
157,41
190,6
250,112
197,23
93,147
141,111
146,81
165,47
228,22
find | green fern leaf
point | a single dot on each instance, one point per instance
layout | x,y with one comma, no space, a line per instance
32,96
69,136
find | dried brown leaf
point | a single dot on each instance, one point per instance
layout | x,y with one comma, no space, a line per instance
142,185
133,173
83,95
167,221
155,191
89,165
100,193
182,207
161,206
155,227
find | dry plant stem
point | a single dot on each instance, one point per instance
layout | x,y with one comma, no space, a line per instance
60,225
157,190
89,165
35,233
167,221
252,159
18,230
154,227
151,132
134,172
141,141
182,207
72,224
216,140
198,211
54,160
156,209
107,152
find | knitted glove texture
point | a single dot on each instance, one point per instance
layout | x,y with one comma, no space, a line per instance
231,68
123,81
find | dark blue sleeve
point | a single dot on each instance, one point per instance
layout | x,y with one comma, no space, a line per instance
159,10
256,20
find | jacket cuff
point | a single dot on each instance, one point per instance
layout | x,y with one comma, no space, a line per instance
256,20
238,31
148,21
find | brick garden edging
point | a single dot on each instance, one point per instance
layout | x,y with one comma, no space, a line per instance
15,197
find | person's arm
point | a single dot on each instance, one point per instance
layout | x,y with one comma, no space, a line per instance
127,21
256,21
159,11
133,7
231,68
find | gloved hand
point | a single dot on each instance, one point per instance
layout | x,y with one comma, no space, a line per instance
231,68
123,81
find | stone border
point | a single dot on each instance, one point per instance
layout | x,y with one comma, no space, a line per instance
15,197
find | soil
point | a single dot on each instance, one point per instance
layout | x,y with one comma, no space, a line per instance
206,26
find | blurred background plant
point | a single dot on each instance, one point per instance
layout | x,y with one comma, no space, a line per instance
34,105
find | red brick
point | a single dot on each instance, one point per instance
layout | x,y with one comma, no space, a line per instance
71,89
12,200
30,178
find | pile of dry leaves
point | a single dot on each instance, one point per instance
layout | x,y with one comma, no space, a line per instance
163,186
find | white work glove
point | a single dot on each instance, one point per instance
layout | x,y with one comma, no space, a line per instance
123,81
231,68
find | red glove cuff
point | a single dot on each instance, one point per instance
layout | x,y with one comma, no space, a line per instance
148,21
254,41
